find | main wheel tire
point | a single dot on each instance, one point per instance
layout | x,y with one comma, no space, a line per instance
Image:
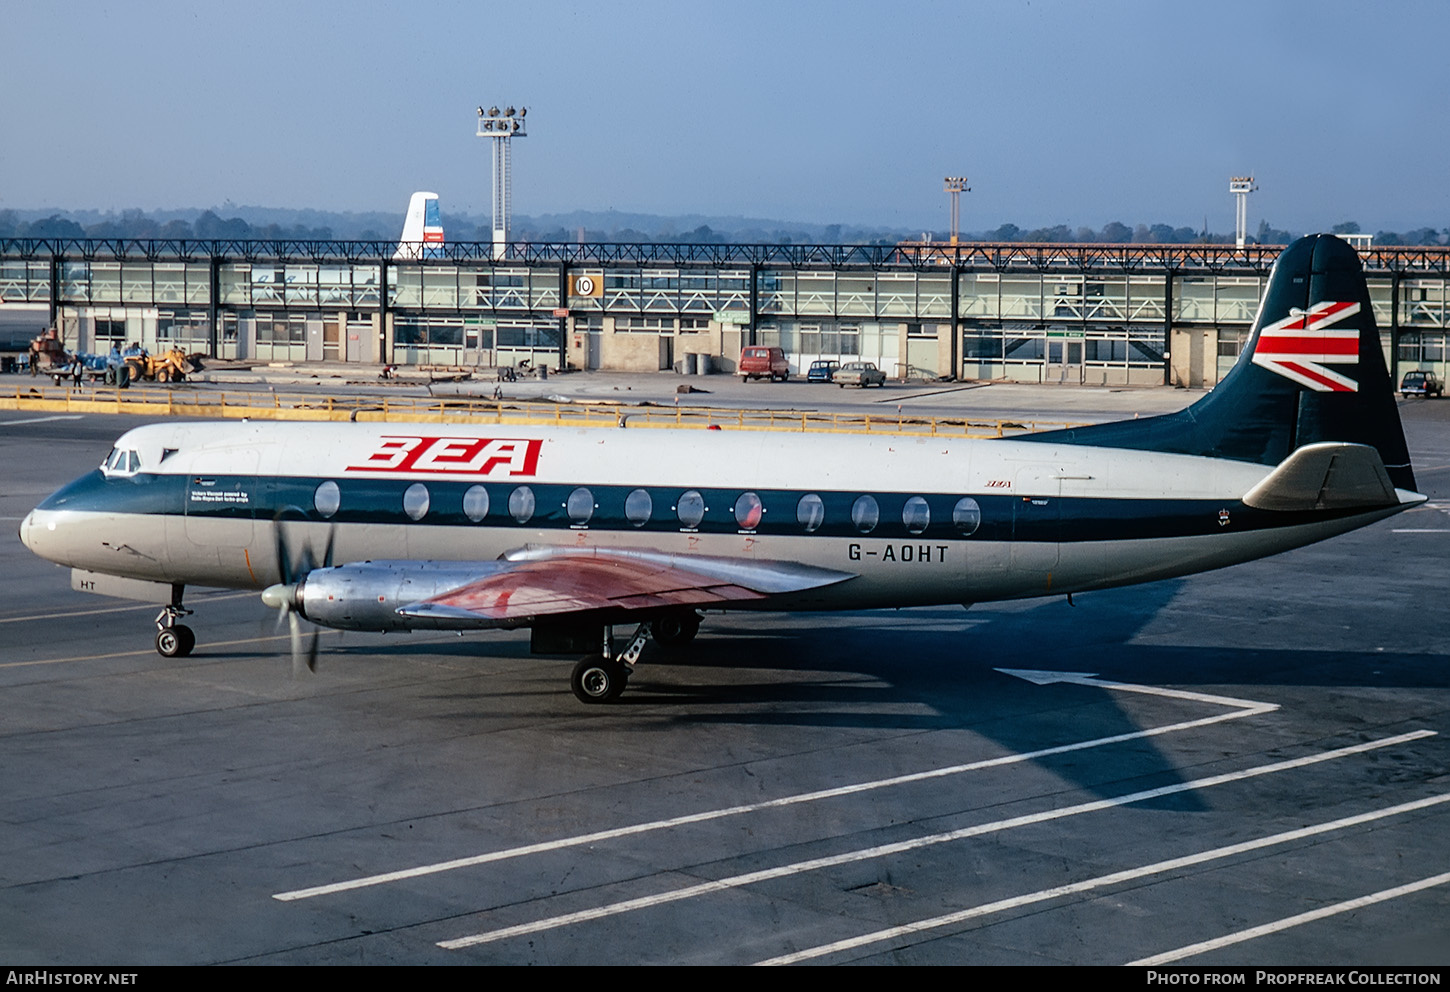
175,641
595,680
675,629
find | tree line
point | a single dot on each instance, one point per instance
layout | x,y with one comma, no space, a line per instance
208,225
134,224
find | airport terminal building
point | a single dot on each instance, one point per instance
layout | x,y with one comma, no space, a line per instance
1087,313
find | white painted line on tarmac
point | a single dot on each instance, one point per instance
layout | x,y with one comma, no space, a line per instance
1348,906
1102,881
143,651
884,850
135,605
1241,708
1089,679
41,420
1421,530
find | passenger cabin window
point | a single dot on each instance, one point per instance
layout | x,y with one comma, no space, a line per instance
865,514
637,507
475,503
810,512
748,511
967,515
521,504
691,509
580,506
915,515
415,501
327,498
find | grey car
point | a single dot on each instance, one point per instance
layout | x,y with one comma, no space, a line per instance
861,374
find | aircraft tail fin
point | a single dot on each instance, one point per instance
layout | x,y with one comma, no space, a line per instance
422,228
1312,371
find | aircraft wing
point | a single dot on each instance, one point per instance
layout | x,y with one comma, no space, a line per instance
543,581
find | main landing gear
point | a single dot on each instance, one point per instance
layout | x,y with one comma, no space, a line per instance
174,640
600,678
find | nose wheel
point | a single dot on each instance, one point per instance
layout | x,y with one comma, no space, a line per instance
174,640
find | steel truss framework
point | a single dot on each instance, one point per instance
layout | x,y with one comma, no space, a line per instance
1000,257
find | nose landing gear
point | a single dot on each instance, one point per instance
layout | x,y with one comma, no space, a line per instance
174,640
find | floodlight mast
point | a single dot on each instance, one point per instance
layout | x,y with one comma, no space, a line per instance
955,186
502,126
1241,187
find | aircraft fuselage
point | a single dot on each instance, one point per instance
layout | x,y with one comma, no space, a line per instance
916,521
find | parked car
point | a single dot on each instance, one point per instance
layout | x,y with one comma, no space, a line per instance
760,362
1418,383
822,371
860,374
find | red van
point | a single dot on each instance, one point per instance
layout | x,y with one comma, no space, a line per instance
759,362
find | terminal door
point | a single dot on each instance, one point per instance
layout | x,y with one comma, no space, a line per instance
1064,360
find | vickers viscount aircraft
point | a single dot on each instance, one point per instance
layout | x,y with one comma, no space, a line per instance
399,527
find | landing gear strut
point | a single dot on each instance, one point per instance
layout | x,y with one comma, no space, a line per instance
174,640
600,678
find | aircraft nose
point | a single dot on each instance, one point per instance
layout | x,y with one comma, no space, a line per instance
25,526
36,533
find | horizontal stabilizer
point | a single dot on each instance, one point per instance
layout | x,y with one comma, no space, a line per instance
1326,476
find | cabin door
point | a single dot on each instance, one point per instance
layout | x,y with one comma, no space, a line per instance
1036,525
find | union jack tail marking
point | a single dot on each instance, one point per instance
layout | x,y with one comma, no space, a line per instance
1301,345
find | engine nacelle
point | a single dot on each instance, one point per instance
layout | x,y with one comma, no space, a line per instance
367,595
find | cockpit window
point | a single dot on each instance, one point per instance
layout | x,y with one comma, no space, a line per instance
121,461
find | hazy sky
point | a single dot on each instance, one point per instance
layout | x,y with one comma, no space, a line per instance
829,112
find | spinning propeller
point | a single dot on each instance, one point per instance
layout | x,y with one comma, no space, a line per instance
286,596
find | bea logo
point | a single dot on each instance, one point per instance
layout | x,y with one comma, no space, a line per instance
503,456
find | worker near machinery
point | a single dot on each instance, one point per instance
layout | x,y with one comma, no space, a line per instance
113,362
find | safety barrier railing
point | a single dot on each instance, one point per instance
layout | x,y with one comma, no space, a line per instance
209,405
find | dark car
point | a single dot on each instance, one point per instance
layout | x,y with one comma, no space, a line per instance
822,370
1418,383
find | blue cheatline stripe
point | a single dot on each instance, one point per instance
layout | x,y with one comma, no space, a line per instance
382,501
